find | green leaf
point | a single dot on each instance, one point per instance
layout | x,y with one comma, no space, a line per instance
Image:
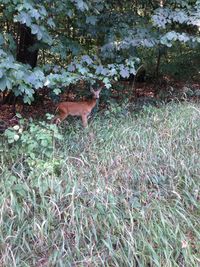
3,83
35,14
1,73
44,143
27,99
91,20
39,35
51,23
1,39
124,73
171,36
34,29
8,84
57,91
24,18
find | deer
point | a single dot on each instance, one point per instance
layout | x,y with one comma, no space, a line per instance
82,109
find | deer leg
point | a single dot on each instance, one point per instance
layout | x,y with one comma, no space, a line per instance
84,120
59,118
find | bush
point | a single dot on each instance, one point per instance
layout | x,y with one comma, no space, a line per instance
33,139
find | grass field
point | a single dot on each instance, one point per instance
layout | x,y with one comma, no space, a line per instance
123,192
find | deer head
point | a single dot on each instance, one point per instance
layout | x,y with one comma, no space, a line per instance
95,93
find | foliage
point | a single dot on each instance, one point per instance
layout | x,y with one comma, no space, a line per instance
33,139
19,77
88,40
124,192
178,67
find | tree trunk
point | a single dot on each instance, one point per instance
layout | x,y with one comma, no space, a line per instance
158,62
26,41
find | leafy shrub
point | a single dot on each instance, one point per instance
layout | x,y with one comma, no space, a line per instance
33,139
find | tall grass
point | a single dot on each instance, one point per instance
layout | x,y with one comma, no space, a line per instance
123,192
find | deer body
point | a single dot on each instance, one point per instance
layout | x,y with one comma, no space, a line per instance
82,109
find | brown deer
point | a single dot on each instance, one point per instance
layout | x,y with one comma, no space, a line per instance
82,108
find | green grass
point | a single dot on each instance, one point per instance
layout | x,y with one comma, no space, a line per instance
123,192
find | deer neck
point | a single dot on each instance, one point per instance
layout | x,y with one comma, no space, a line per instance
93,102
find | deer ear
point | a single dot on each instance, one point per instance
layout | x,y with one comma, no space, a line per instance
100,88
